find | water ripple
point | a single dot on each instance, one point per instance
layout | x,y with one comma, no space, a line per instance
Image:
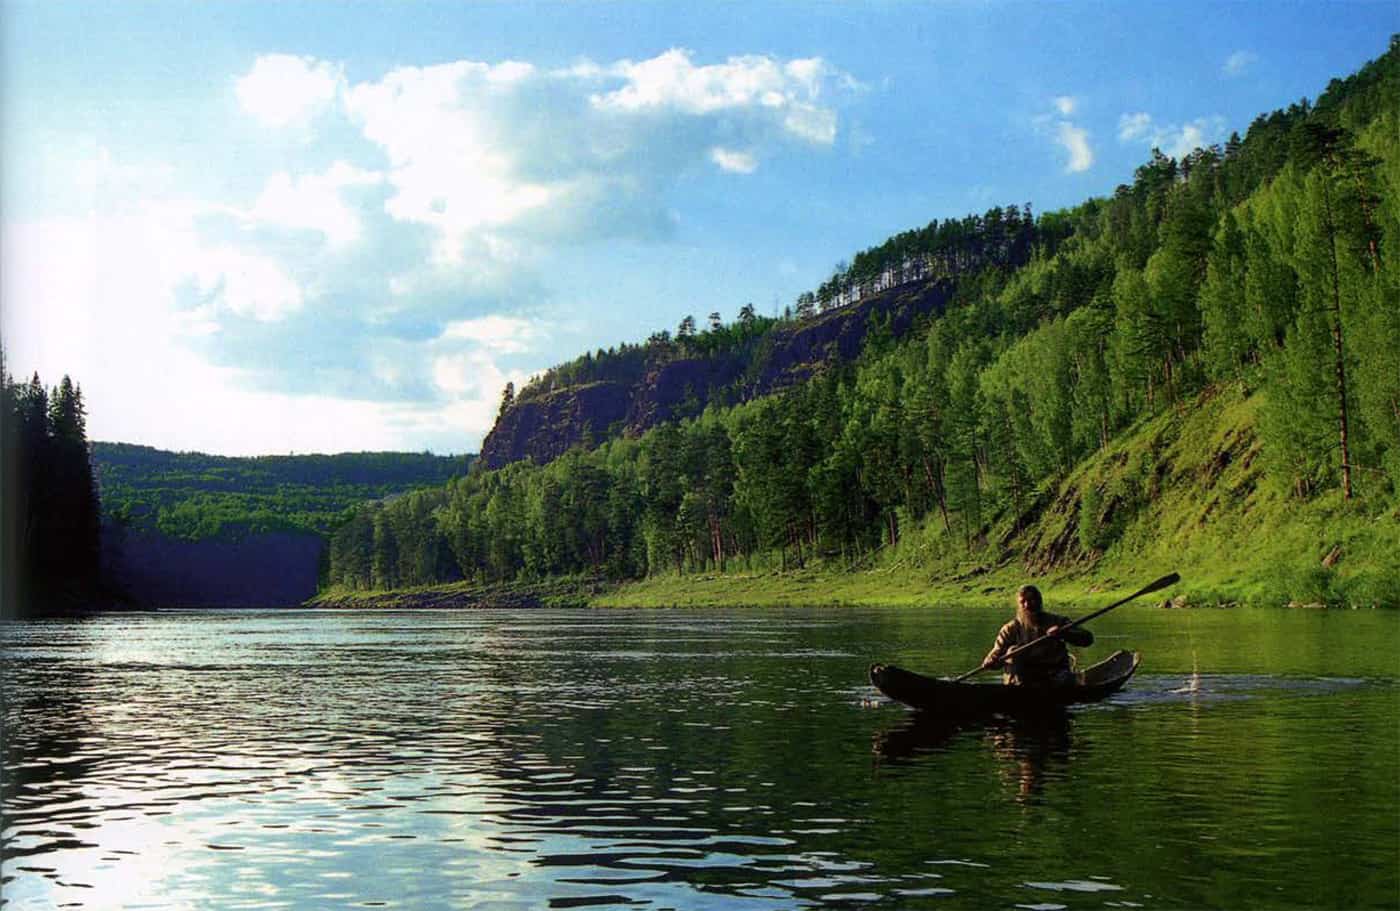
566,759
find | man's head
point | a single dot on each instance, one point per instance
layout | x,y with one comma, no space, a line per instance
1028,600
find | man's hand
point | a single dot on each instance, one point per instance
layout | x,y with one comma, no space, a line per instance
1053,632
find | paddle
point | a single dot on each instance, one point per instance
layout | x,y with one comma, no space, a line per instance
1169,579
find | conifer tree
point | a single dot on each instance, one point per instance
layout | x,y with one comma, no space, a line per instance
507,400
1226,343
1327,283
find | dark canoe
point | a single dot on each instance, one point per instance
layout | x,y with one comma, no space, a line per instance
945,697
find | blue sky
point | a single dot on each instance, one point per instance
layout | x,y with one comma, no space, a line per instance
259,228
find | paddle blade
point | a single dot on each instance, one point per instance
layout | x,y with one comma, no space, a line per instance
1168,579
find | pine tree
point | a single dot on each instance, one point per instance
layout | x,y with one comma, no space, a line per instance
73,525
1324,274
384,566
507,400
1226,344
11,505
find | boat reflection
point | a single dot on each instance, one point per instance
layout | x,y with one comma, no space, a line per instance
1028,749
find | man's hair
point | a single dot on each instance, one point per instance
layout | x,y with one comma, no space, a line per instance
1032,595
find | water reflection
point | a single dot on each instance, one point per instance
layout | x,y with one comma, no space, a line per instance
1027,749
570,759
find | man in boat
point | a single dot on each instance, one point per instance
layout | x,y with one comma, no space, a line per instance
1049,663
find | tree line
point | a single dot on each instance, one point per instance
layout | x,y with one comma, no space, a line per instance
1269,263
49,509
1002,237
195,496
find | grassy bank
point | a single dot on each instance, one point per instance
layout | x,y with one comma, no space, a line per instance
829,586
1186,491
572,592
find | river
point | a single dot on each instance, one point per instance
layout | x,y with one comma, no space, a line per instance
688,759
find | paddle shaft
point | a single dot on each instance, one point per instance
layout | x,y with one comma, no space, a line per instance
1169,579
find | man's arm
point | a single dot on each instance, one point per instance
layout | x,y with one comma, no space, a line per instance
1003,642
1076,635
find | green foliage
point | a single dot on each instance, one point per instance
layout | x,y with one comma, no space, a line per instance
49,508
195,496
1267,267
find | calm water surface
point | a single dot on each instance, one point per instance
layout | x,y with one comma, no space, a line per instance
688,759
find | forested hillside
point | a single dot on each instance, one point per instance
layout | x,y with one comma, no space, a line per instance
1263,272
891,288
193,530
195,496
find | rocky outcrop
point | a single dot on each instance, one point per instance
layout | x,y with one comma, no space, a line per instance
681,389
543,428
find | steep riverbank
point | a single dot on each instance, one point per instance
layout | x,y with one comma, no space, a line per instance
1185,491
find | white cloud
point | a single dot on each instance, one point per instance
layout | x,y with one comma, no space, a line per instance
1175,140
98,302
1072,138
815,124
1238,62
381,281
733,161
473,382
282,89
506,334
448,169
1075,141
1197,134
1134,126
314,202
672,81
480,150
246,284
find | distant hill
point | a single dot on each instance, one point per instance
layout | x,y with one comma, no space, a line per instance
188,529
196,496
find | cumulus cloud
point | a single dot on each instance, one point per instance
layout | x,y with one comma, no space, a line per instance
449,168
671,81
1075,141
97,297
734,161
246,285
497,332
1237,63
1176,140
1134,126
282,89
395,269
315,202
1072,138
476,149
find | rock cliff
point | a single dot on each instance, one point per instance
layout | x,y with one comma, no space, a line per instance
671,386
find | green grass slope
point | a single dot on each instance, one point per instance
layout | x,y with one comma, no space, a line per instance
1185,491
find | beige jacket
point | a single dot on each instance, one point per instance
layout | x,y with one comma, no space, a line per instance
1048,662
